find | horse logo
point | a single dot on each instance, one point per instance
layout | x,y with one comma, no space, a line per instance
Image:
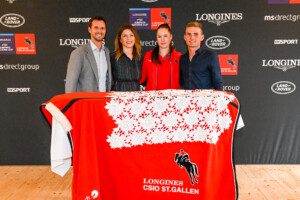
182,159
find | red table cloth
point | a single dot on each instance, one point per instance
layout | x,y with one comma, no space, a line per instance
171,144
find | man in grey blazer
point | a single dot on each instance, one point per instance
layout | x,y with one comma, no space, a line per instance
89,67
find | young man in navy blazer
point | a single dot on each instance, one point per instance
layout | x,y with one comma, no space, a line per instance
199,67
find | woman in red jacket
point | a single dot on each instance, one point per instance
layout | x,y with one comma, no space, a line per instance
160,69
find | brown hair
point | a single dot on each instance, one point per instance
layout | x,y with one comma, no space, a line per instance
99,18
155,52
137,43
194,24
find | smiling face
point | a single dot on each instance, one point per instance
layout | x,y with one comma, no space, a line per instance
127,39
97,31
193,37
164,38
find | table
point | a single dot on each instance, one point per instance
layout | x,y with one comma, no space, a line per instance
170,144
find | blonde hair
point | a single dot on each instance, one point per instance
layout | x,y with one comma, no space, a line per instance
194,24
137,43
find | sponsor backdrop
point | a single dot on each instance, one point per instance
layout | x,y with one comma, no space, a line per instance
257,43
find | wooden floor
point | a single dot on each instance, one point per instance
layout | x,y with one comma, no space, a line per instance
278,182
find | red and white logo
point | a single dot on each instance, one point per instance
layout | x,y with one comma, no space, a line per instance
160,16
94,195
25,43
229,64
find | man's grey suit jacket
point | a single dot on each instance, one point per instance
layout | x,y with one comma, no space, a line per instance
82,72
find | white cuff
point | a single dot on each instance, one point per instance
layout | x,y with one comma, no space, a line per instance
59,116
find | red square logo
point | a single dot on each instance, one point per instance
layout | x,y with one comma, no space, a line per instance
160,16
294,1
229,64
25,43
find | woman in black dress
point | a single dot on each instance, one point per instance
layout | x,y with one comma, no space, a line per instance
126,60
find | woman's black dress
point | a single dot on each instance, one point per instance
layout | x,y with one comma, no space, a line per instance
126,73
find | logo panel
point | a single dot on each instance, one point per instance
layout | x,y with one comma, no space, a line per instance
140,18
149,1
294,1
7,44
219,18
149,18
18,90
151,43
217,42
231,88
288,17
278,1
12,20
25,43
10,1
19,67
285,41
283,87
79,20
160,16
284,1
283,64
228,64
73,42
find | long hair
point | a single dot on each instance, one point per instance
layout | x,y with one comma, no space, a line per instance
155,52
137,43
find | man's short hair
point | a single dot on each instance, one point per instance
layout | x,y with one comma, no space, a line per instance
194,24
99,18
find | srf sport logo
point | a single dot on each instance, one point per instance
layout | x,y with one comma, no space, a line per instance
182,159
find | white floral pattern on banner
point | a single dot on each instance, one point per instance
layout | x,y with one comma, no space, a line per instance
157,117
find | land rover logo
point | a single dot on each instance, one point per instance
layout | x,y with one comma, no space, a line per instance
12,20
218,42
283,87
10,1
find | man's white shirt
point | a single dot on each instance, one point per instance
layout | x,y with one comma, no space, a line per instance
101,62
